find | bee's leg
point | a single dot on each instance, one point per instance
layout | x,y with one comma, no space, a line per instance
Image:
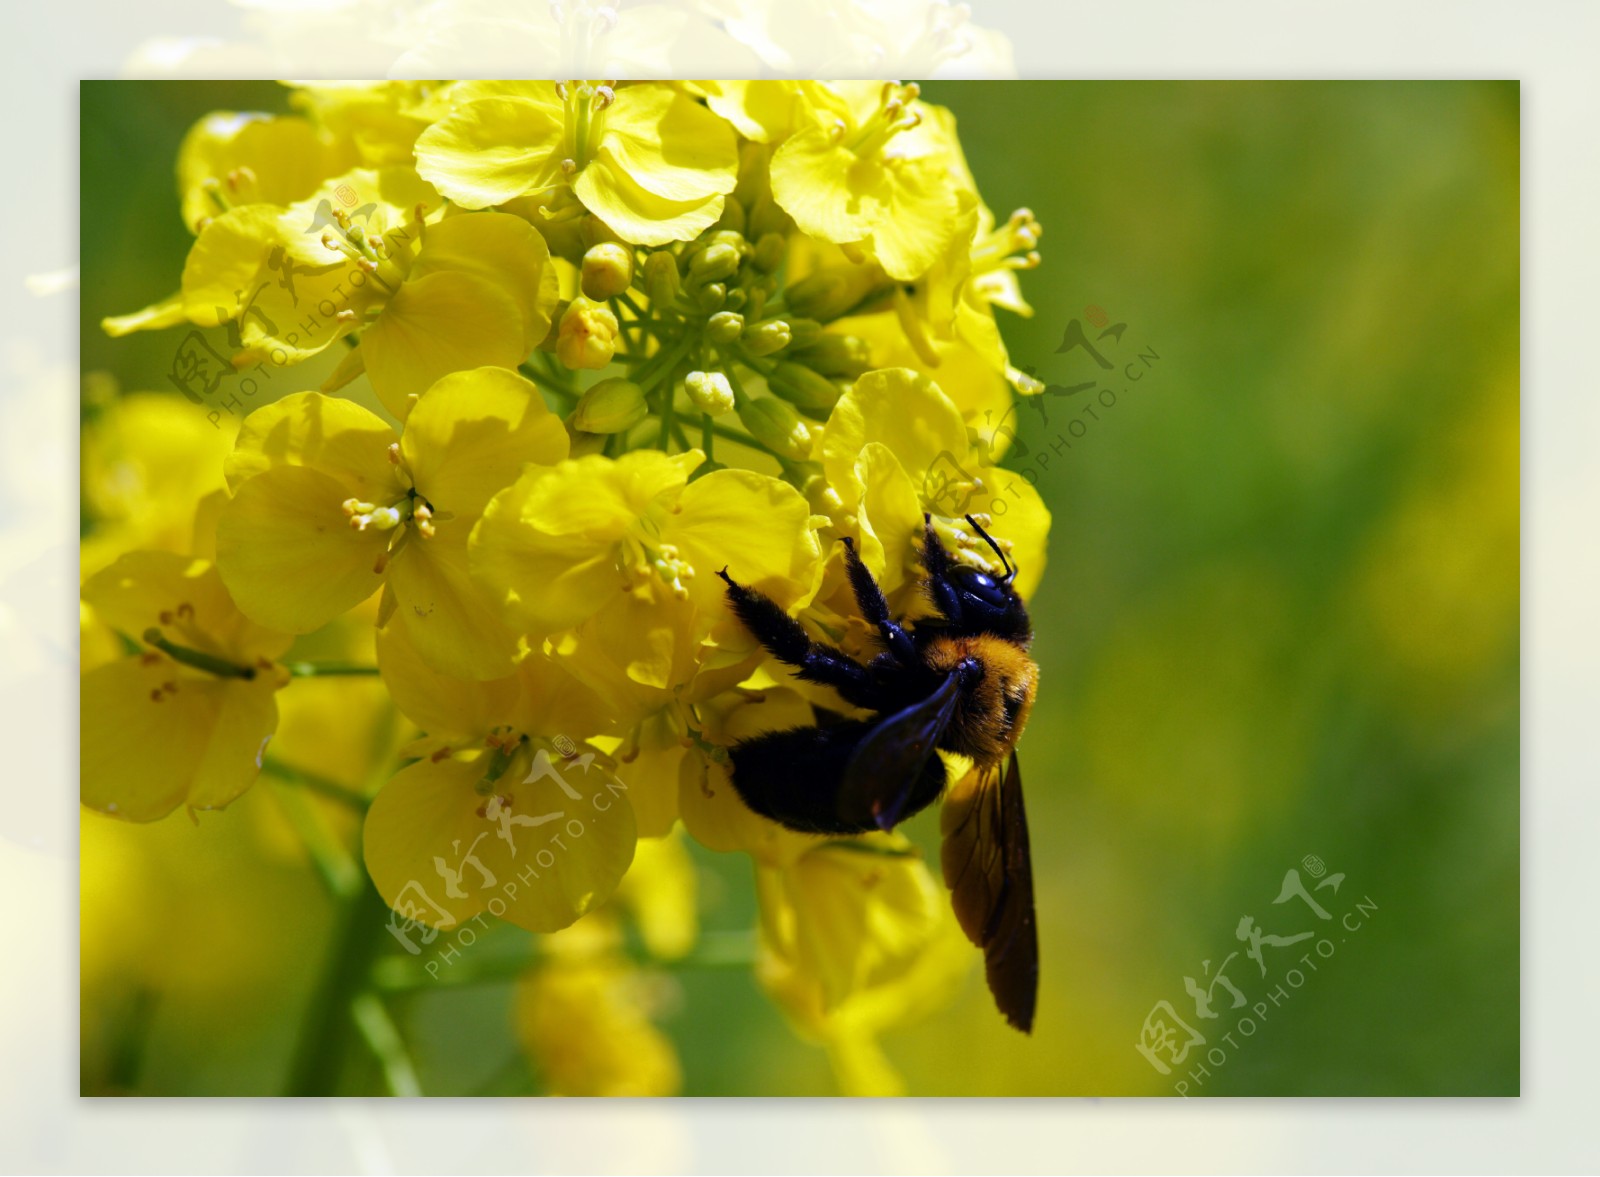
869,598
936,562
786,639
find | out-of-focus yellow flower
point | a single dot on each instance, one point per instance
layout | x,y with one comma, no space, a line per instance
857,937
867,174
187,720
428,299
379,119
659,892
329,505
585,1020
148,458
645,158
228,159
506,810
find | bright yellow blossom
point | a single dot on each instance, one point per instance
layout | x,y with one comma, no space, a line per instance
645,158
505,810
228,159
330,505
867,174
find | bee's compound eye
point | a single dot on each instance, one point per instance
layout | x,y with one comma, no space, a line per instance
982,587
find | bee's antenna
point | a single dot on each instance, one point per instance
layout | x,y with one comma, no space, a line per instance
1011,572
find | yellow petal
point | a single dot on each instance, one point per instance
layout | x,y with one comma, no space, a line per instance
440,323
554,849
469,437
448,709
450,621
636,214
907,413
163,736
825,187
890,518
755,525
287,552
670,144
502,251
546,546
328,434
490,150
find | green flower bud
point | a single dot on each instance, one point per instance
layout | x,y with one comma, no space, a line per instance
610,406
762,339
714,263
844,356
770,252
803,332
776,425
588,335
712,297
661,281
710,392
725,327
607,270
834,291
800,386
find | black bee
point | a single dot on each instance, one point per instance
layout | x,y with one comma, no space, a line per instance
961,681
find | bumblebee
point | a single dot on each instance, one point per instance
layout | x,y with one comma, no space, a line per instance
961,681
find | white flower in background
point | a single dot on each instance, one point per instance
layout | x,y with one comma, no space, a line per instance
584,38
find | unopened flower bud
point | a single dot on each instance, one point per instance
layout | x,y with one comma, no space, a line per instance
762,339
588,335
661,280
799,385
714,263
770,252
607,270
725,327
802,332
844,356
610,406
834,291
712,297
776,425
710,392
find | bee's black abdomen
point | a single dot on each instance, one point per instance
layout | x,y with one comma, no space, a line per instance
794,777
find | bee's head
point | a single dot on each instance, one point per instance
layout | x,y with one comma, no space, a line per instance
976,601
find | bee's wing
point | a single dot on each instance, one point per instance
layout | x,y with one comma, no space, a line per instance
989,871
892,757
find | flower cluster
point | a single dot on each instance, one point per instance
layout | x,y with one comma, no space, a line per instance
589,343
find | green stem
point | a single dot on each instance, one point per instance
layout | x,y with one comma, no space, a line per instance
708,432
382,1037
355,938
332,862
210,663
290,775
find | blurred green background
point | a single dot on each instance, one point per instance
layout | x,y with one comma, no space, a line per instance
1280,620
